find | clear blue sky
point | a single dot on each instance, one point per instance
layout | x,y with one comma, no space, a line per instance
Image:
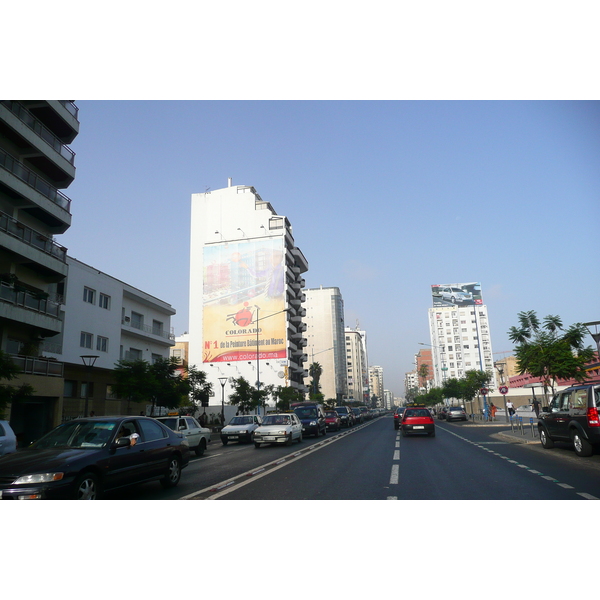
385,199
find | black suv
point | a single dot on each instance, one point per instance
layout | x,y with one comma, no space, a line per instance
572,417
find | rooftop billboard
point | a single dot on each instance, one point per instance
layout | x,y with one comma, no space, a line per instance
456,294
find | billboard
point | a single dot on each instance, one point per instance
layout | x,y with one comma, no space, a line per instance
243,290
456,294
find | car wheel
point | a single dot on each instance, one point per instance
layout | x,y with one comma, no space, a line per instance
290,439
545,439
252,437
201,447
173,475
224,442
87,487
300,437
582,446
257,444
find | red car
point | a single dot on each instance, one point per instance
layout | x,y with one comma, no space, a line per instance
333,421
417,420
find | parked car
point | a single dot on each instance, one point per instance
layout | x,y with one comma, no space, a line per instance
8,439
572,417
278,429
417,420
456,413
312,417
83,458
358,416
240,429
398,416
441,414
346,415
333,420
198,437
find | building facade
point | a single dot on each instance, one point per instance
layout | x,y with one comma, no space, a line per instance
357,366
376,385
246,292
326,342
36,164
460,342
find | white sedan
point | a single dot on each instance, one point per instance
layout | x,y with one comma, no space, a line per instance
279,428
198,437
240,429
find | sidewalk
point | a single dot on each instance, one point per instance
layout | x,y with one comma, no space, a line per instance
519,429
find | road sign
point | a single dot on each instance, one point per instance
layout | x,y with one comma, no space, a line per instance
484,391
503,389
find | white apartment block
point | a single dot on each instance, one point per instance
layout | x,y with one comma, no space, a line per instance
376,384
411,381
109,320
357,366
326,343
460,342
246,297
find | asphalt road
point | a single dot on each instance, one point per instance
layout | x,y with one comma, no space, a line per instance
373,462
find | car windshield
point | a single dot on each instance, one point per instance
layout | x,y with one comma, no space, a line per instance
454,408
241,421
341,411
78,434
171,422
276,420
306,413
419,412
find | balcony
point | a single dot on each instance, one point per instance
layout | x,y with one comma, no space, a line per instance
35,301
36,365
148,329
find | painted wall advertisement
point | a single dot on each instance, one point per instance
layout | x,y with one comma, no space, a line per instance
244,296
459,294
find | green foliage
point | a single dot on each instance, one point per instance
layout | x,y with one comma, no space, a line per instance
315,371
286,396
160,383
200,389
244,395
548,351
10,394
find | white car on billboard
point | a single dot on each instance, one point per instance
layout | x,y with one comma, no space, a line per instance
455,295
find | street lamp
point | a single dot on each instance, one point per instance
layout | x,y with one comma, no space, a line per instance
257,351
595,334
222,381
89,360
500,368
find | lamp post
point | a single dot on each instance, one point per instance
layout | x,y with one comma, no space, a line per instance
222,381
595,334
257,351
500,368
89,360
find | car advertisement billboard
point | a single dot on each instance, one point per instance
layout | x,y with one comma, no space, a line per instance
456,294
243,299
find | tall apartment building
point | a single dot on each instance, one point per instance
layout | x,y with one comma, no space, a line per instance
459,332
357,366
105,320
36,164
246,298
411,383
376,384
326,342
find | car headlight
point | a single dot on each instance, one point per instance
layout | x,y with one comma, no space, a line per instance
313,423
39,478
243,431
282,432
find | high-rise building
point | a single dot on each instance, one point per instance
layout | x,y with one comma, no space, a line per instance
459,332
36,164
376,385
246,298
357,365
326,341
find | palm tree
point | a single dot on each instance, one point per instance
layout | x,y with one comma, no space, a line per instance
315,371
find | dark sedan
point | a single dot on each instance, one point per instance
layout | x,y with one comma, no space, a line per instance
83,458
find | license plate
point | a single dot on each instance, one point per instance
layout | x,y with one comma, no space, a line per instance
269,438
233,437
418,426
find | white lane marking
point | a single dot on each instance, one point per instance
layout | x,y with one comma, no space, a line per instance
396,455
587,496
566,486
395,475
392,498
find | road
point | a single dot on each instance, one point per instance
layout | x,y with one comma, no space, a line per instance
373,462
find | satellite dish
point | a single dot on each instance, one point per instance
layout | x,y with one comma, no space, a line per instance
281,374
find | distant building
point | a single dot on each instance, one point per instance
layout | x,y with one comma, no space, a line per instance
424,362
246,297
326,343
376,385
36,165
357,366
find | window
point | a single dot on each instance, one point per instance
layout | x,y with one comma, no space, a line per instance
104,301
89,295
70,389
157,327
137,320
87,389
86,340
102,344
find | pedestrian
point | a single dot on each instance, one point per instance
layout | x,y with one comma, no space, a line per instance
493,409
536,407
510,408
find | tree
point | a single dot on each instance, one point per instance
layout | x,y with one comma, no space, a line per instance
548,351
10,394
423,374
200,389
286,397
159,382
244,395
315,371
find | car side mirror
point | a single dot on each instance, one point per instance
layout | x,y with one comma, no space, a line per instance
123,441
181,428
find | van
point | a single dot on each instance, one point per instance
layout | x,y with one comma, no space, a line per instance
312,417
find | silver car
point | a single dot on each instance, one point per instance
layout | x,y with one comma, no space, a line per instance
454,413
240,429
8,439
455,294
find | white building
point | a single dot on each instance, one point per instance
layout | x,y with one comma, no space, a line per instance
460,342
376,384
325,340
357,366
110,320
245,292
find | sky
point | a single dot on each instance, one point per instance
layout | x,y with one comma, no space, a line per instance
385,199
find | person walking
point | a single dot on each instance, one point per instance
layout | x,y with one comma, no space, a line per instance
536,407
510,407
493,409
